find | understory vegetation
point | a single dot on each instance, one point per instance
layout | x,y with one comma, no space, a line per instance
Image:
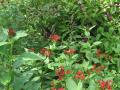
59,45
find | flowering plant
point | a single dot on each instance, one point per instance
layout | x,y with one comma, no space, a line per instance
59,45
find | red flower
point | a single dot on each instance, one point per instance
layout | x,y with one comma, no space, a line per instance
32,49
53,88
11,32
45,52
55,37
60,72
61,89
60,77
70,51
93,67
80,75
98,52
105,84
102,67
79,72
68,72
102,84
108,84
98,70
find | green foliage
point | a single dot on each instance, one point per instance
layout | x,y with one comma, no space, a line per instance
71,85
89,32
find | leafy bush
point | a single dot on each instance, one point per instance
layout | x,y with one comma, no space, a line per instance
59,45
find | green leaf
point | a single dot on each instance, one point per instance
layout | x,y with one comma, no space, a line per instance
71,85
87,33
3,35
92,85
21,79
96,43
85,46
89,55
20,34
80,86
3,43
5,76
32,86
27,58
85,64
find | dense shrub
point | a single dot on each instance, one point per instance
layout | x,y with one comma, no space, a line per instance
59,45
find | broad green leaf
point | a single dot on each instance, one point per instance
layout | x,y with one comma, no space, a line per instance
32,86
50,66
89,55
80,86
5,76
92,85
21,79
85,46
70,84
87,33
3,43
3,35
36,78
96,43
20,34
27,58
85,64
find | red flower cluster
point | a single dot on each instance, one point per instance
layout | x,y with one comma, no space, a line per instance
105,84
60,72
99,53
97,69
68,72
55,37
61,89
70,51
11,32
80,75
57,89
45,52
